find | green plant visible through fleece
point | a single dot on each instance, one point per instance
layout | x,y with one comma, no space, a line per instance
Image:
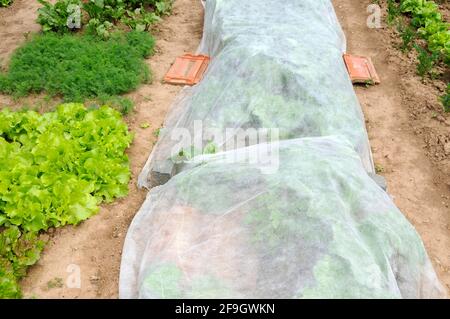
165,281
79,67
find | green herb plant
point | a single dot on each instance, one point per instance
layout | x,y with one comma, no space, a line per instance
79,67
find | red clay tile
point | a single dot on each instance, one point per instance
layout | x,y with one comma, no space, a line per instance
187,69
361,69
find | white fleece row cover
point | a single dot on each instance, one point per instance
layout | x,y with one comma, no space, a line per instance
275,64
303,221
318,228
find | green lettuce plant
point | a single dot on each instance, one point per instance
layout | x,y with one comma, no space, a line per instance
55,169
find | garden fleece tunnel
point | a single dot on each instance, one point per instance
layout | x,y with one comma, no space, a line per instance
219,226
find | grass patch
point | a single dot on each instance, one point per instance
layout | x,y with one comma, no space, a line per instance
79,67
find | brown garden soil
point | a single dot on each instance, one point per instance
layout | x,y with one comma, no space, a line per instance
409,134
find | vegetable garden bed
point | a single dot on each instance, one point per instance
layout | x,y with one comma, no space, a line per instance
55,169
